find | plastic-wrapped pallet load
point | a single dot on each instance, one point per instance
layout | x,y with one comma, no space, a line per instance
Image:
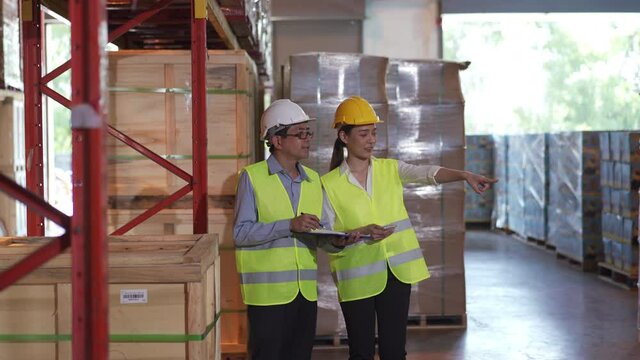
500,214
426,126
10,61
575,202
423,124
516,164
318,82
536,186
478,159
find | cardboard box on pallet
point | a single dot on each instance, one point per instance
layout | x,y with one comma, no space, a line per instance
536,186
177,276
515,183
500,214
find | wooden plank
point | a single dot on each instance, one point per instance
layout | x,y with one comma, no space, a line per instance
196,319
220,24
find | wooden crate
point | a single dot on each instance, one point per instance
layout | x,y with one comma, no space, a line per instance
12,161
178,275
233,326
150,101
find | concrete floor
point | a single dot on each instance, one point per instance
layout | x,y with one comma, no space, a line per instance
523,303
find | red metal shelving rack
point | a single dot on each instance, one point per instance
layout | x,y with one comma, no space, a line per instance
85,231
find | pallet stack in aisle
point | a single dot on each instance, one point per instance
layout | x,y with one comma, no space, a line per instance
536,187
620,181
10,67
150,101
516,163
575,203
319,82
13,214
164,295
478,159
500,213
426,127
423,124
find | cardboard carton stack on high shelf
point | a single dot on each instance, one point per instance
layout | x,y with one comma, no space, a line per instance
422,108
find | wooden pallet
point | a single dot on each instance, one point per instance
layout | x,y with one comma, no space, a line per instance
617,277
586,265
437,322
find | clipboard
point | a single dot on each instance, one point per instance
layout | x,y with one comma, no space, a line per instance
324,232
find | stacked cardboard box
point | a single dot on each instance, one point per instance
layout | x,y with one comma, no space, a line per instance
575,199
319,82
426,126
150,101
620,181
422,108
10,64
13,214
479,159
176,277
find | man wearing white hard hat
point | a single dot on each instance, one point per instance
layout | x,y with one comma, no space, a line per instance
278,199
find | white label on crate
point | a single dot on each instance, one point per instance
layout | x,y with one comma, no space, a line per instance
133,296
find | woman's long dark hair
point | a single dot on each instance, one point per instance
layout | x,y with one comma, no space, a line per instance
338,148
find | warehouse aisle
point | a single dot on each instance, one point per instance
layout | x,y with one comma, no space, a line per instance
522,303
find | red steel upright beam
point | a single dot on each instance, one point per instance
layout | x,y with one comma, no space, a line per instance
199,115
88,225
32,56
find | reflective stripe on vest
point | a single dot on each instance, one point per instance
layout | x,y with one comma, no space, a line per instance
274,272
361,269
277,276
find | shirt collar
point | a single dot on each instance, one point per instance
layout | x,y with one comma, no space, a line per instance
275,167
344,167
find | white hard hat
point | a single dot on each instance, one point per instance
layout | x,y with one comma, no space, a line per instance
279,114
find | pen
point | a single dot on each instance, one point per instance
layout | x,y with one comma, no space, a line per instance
321,226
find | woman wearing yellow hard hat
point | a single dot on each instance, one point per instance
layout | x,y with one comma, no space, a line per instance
365,196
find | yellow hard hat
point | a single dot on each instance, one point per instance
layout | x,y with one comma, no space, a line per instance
355,111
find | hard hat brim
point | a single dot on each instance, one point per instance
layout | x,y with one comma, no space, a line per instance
281,126
341,124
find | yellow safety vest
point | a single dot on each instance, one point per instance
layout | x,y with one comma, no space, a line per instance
360,270
273,273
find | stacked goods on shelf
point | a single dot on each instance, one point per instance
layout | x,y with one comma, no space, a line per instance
150,101
318,83
426,126
422,108
536,186
13,214
500,214
10,59
175,276
250,21
479,159
575,203
620,181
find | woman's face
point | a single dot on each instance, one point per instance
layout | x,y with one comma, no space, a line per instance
360,141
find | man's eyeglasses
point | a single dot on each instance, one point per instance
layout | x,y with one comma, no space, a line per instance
302,135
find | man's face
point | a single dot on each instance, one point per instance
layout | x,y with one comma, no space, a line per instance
296,142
